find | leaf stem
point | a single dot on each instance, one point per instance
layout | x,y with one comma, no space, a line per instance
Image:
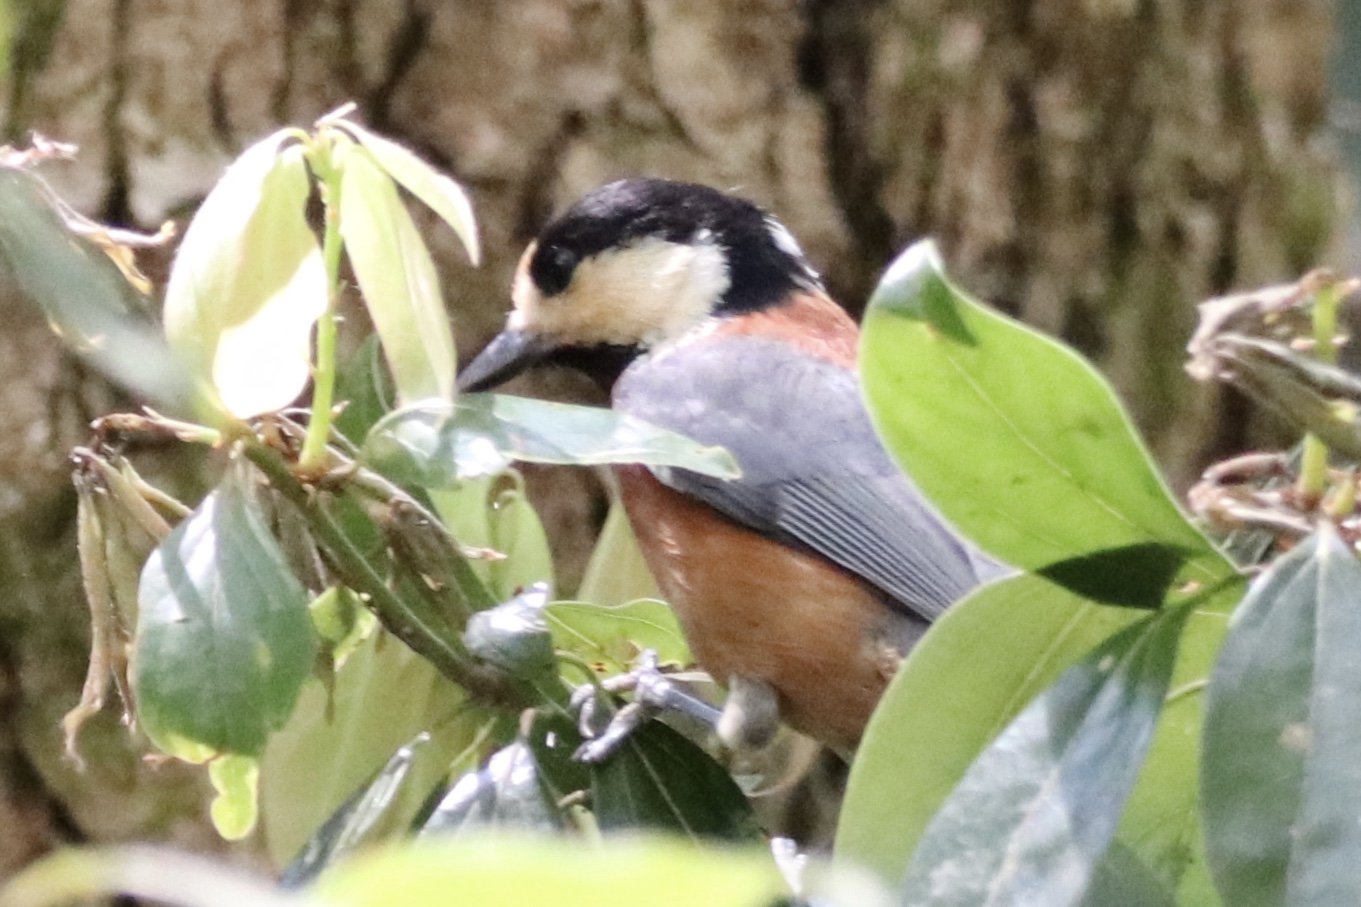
1313,481
324,368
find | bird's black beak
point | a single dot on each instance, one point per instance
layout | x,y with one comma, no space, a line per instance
510,353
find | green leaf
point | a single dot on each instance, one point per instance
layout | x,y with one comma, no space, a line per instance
442,444
236,780
86,299
659,780
398,280
610,637
365,388
962,683
497,870
339,739
494,512
249,282
1041,464
1281,777
444,196
360,820
513,636
224,639
616,573
1038,808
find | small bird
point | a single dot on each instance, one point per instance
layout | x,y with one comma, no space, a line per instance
803,583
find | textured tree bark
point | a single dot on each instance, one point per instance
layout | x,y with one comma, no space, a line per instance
1093,166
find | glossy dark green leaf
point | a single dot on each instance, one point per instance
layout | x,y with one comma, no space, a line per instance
397,276
85,297
1042,464
444,196
224,639
514,637
1135,576
554,738
1038,808
352,826
366,390
503,794
659,780
1281,777
503,870
248,281
481,434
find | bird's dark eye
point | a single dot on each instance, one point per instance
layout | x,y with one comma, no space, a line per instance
552,269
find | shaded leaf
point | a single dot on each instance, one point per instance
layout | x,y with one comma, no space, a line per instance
366,389
481,434
443,196
86,299
398,280
358,819
1037,809
224,640
494,870
1281,777
1135,576
661,781
1053,469
249,282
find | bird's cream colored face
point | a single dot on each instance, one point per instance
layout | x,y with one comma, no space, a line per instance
645,294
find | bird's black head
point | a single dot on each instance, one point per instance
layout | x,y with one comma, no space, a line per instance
633,265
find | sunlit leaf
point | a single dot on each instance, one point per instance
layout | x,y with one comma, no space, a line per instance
616,572
972,674
1042,463
444,196
398,280
86,299
248,281
224,640
610,637
337,741
236,779
497,870
494,512
1281,777
481,434
1037,809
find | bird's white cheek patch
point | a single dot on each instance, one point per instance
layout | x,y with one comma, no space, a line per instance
648,293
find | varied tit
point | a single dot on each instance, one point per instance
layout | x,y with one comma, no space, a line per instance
802,584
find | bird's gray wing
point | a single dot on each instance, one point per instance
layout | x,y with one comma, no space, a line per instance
814,473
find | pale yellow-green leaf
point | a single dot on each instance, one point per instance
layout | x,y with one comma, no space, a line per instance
443,196
236,780
248,282
486,871
398,280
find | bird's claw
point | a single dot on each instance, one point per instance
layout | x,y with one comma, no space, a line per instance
653,691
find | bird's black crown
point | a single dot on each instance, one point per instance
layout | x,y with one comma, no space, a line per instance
762,269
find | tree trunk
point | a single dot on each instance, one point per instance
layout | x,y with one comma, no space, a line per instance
1093,166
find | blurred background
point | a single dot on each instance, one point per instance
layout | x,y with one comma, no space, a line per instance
1095,167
